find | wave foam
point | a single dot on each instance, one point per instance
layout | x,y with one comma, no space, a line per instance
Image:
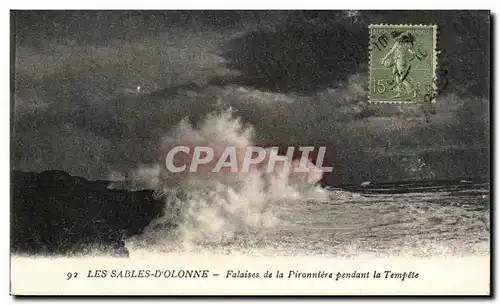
206,207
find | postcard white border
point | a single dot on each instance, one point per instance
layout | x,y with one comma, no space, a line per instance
147,4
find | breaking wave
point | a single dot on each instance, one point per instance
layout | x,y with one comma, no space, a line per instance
212,208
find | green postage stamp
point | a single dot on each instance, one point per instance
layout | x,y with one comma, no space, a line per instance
402,63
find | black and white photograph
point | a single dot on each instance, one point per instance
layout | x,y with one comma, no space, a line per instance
250,152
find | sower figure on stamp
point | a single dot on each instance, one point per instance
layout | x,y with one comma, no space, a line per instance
399,58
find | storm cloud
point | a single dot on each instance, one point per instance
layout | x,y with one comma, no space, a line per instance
96,91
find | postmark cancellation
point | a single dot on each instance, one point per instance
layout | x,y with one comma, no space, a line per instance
402,63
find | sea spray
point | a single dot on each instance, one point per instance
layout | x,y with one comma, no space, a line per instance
207,208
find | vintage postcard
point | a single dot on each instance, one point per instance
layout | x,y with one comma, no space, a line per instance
250,153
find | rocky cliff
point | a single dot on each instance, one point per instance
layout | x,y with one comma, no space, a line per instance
55,213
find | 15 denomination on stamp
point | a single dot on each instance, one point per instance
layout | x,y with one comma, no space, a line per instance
402,63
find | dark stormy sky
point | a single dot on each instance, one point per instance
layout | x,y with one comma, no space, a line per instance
297,76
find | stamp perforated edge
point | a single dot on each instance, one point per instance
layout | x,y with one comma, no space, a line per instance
434,61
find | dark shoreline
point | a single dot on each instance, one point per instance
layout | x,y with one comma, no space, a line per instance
54,213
